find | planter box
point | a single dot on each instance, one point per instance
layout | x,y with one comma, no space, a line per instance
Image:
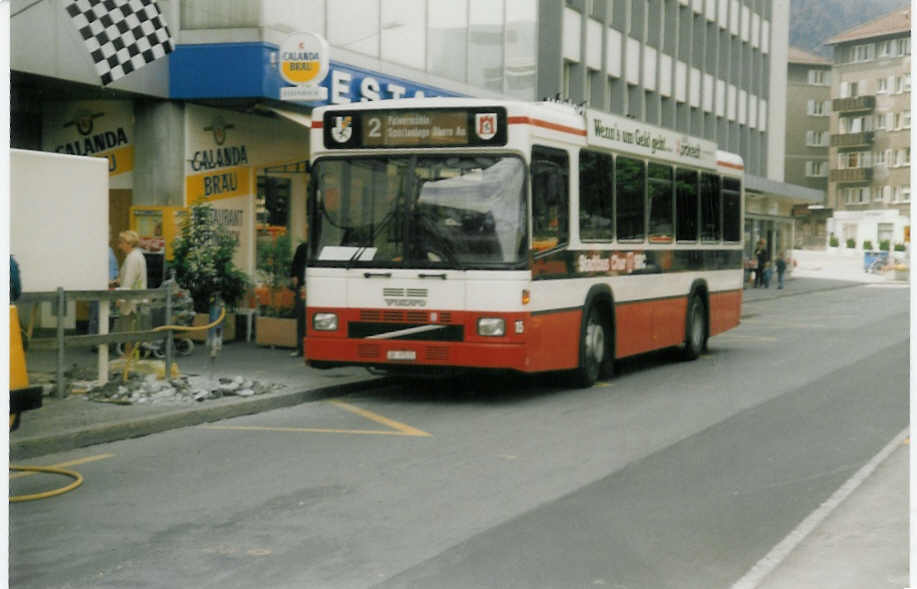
229,327
903,275
275,331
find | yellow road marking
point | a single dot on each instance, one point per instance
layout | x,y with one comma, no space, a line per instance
64,464
397,428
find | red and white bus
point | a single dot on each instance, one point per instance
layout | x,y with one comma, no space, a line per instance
471,233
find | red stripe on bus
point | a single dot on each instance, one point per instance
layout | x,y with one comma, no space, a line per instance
550,342
733,166
545,125
316,124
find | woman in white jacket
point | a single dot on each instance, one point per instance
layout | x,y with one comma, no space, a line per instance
131,277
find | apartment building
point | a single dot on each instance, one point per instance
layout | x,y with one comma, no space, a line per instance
808,116
707,68
870,154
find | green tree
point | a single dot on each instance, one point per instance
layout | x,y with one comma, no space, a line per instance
203,260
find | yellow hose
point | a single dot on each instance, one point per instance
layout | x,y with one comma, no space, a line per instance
52,470
135,348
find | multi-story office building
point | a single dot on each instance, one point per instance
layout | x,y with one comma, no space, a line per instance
869,166
214,105
808,112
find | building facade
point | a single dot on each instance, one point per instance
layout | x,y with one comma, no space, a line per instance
808,117
869,162
208,120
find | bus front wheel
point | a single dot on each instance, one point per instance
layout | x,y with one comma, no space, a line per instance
595,350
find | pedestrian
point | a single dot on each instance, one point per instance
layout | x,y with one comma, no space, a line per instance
781,268
298,285
764,258
15,280
131,277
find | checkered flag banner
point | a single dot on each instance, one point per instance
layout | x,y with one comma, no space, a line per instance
121,35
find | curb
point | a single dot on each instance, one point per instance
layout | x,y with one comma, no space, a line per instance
143,426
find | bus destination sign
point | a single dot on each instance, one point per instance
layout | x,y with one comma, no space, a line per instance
405,128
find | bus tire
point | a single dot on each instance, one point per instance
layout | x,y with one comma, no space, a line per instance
695,328
595,349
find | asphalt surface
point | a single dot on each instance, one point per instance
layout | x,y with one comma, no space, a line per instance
870,522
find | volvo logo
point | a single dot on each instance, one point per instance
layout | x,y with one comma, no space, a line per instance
406,302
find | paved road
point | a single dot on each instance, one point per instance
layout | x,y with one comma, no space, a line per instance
670,475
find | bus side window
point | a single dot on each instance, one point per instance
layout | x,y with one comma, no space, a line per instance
630,182
550,197
659,196
710,207
686,207
732,209
596,196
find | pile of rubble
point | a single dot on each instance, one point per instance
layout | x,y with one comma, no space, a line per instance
149,389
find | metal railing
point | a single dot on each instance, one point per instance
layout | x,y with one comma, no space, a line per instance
150,298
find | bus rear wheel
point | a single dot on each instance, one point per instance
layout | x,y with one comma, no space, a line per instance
596,358
695,329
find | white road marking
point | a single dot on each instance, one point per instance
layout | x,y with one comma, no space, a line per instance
781,551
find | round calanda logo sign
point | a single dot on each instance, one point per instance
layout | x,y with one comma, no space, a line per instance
304,59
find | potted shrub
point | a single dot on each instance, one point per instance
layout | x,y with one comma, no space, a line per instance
833,241
900,247
203,266
851,243
867,245
276,323
884,245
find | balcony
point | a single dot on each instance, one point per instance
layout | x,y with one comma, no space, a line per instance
853,104
863,139
850,175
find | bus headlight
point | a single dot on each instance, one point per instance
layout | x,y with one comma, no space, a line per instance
325,321
491,326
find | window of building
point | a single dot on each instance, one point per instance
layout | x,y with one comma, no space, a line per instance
817,108
816,169
686,205
596,185
881,85
886,232
906,119
550,196
818,77
877,194
629,189
816,138
903,157
864,52
903,84
659,195
710,207
879,158
886,48
854,159
887,193
904,46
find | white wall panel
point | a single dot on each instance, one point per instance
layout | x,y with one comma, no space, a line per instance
720,98
633,61
731,102
572,35
743,106
613,52
708,93
594,44
649,68
665,74
694,87
681,81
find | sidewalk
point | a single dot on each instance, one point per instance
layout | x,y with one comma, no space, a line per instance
861,543
73,422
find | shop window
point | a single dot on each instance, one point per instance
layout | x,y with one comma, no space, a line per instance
659,195
596,185
629,192
550,197
273,202
686,205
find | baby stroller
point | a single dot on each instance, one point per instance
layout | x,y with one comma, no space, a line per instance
182,314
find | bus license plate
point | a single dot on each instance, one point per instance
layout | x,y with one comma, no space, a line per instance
402,355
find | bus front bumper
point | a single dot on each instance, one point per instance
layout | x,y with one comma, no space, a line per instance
405,353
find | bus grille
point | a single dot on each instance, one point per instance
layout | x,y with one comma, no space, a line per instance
446,333
376,315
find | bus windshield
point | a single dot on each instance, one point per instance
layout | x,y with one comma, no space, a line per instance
403,211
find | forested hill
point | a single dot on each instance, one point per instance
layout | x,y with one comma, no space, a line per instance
815,21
